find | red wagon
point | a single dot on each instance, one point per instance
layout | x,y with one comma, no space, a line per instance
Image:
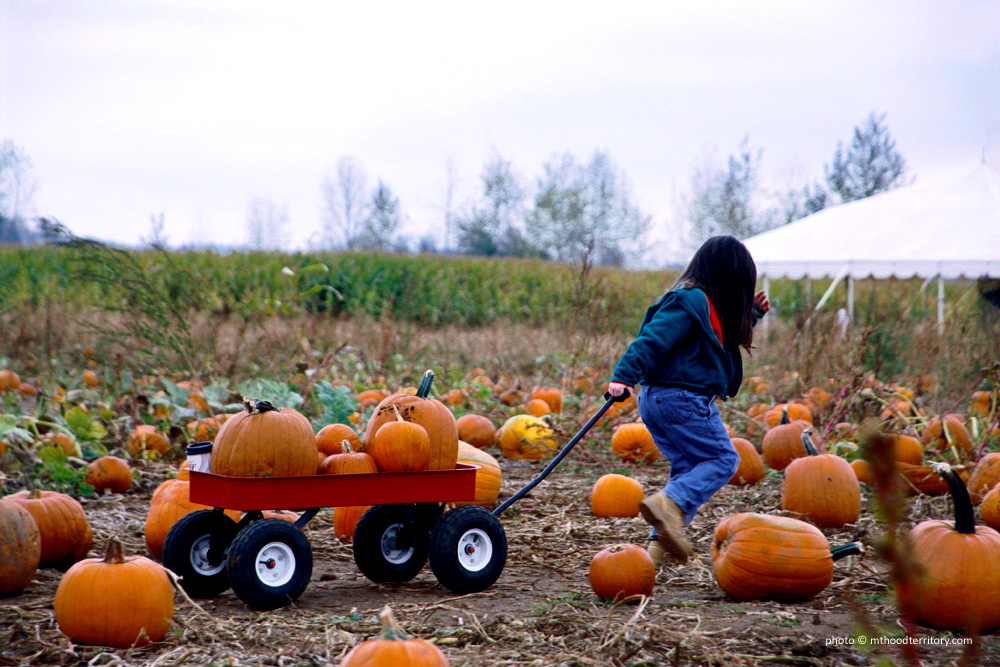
268,562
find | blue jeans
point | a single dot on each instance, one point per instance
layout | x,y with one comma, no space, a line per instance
688,430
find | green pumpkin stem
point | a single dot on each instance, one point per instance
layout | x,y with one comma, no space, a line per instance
424,390
965,518
845,550
114,552
784,415
390,626
259,406
807,441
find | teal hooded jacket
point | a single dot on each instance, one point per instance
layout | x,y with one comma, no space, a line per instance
677,347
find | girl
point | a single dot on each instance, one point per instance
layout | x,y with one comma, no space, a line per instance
687,353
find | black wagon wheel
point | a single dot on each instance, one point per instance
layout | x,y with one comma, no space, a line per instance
390,543
468,549
270,563
195,550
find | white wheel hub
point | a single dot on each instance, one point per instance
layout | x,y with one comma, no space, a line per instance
475,550
199,558
275,564
390,551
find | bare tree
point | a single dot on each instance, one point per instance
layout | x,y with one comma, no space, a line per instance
267,224
344,204
157,238
382,222
584,213
871,164
17,188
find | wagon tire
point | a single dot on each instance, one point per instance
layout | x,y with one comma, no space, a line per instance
185,552
377,549
270,563
468,550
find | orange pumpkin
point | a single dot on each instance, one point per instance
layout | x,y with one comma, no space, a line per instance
783,443
959,585
751,469
144,438
63,526
632,442
907,449
552,396
109,473
348,462
764,557
265,442
989,510
9,381
476,430
537,407
615,495
621,571
823,487
184,470
401,446
26,390
330,436
984,476
90,379
953,433
345,520
20,548
204,430
433,416
455,398
488,477
115,601
924,479
512,397
862,470
171,501
796,411
394,647
983,402
64,442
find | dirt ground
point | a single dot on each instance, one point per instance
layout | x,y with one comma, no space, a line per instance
540,612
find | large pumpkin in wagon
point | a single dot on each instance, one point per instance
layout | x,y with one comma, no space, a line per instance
436,419
264,441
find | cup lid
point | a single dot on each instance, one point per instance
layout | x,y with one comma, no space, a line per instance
199,448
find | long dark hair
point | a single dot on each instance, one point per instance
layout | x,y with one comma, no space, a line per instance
723,269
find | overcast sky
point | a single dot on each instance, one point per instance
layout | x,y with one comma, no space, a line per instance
129,108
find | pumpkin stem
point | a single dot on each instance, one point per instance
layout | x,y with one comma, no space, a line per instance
399,417
965,518
345,446
424,390
849,549
390,626
114,553
784,415
808,442
35,494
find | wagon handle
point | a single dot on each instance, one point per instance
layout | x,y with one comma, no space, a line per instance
562,453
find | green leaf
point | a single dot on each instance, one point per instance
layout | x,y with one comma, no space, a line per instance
84,425
319,266
277,393
216,395
338,403
7,423
178,395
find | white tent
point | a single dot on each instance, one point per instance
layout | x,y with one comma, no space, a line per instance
944,230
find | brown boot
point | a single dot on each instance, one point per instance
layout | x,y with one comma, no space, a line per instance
657,553
666,517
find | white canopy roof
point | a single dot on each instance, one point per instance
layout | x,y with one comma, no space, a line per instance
950,229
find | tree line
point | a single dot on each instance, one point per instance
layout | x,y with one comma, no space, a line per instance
574,211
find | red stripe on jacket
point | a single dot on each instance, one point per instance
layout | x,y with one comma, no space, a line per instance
713,318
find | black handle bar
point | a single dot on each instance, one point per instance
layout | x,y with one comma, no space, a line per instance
608,401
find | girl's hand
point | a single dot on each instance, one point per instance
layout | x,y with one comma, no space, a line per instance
761,300
618,388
